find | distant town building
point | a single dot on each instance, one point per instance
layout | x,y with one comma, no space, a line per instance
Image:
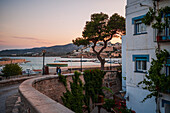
114,49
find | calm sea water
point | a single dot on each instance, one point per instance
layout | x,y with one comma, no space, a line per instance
37,62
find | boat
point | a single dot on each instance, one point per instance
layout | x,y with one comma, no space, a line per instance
57,64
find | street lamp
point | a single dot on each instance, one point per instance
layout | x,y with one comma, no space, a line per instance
43,51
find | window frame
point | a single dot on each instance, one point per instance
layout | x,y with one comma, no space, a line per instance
138,27
137,21
168,67
140,63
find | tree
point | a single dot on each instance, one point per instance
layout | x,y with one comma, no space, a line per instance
93,85
101,28
74,99
156,81
11,70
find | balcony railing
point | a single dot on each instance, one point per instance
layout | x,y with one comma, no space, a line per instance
163,38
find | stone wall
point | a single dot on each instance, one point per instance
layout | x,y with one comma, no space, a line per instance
43,94
34,101
53,88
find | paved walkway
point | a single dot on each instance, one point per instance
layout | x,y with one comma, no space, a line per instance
5,92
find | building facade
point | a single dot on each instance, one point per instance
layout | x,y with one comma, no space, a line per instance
138,49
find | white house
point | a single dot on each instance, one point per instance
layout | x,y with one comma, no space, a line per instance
138,49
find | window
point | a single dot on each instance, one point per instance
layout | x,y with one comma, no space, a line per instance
139,27
141,63
165,34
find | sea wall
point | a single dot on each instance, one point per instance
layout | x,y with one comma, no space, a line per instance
11,61
38,95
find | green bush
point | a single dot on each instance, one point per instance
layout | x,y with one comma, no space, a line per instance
109,103
74,99
11,70
93,85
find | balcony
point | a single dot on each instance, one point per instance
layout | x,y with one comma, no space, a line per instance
163,38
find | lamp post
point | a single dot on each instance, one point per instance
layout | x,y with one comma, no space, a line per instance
81,60
110,60
43,51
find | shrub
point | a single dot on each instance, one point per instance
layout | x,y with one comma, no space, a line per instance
93,85
11,70
74,99
109,103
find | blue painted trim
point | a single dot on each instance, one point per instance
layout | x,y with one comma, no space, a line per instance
167,64
140,72
137,18
165,102
167,15
139,33
166,71
141,56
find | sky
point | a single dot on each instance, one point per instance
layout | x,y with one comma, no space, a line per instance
44,23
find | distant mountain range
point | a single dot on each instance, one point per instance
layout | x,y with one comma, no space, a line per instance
57,50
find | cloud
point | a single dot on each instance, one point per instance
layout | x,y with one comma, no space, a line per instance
1,41
35,40
27,38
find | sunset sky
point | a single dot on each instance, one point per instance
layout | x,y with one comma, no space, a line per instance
37,23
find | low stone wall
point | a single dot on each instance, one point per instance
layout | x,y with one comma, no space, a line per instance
15,80
35,95
43,94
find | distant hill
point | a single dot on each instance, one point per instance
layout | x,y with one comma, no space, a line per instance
57,50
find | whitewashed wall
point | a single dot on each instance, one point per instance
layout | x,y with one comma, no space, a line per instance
138,44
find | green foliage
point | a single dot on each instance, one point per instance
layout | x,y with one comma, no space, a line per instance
11,70
74,99
108,89
63,79
155,17
156,81
93,85
109,103
100,28
125,110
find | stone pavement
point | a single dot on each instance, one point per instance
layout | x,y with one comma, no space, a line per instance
95,110
13,103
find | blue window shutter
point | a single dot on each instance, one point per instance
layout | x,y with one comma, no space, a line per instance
137,18
140,57
168,62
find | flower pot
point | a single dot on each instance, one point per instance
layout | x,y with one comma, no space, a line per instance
168,37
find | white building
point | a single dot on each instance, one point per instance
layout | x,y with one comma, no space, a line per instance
138,49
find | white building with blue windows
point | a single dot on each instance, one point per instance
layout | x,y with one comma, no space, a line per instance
138,49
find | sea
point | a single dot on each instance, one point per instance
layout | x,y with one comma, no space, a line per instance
37,62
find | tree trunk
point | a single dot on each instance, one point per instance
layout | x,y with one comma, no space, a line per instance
158,104
102,64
